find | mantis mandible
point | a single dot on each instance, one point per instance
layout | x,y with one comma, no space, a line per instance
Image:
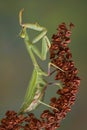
37,84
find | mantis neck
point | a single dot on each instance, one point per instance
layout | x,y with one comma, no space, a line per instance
29,48
33,58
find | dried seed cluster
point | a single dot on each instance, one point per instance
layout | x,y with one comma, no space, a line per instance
60,56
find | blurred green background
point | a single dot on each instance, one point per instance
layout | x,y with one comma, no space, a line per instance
15,64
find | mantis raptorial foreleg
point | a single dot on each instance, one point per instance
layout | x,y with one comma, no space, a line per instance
45,41
45,48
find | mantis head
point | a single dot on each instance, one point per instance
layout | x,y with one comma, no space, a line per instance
23,32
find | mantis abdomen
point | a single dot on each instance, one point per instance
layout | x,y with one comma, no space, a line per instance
34,93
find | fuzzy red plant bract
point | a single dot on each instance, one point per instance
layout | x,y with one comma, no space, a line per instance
60,56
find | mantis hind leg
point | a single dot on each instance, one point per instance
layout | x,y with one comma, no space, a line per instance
47,105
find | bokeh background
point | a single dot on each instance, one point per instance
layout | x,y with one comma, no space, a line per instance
15,64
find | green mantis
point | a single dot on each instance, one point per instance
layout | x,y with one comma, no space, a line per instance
37,84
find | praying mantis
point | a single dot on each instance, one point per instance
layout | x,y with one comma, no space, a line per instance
37,84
